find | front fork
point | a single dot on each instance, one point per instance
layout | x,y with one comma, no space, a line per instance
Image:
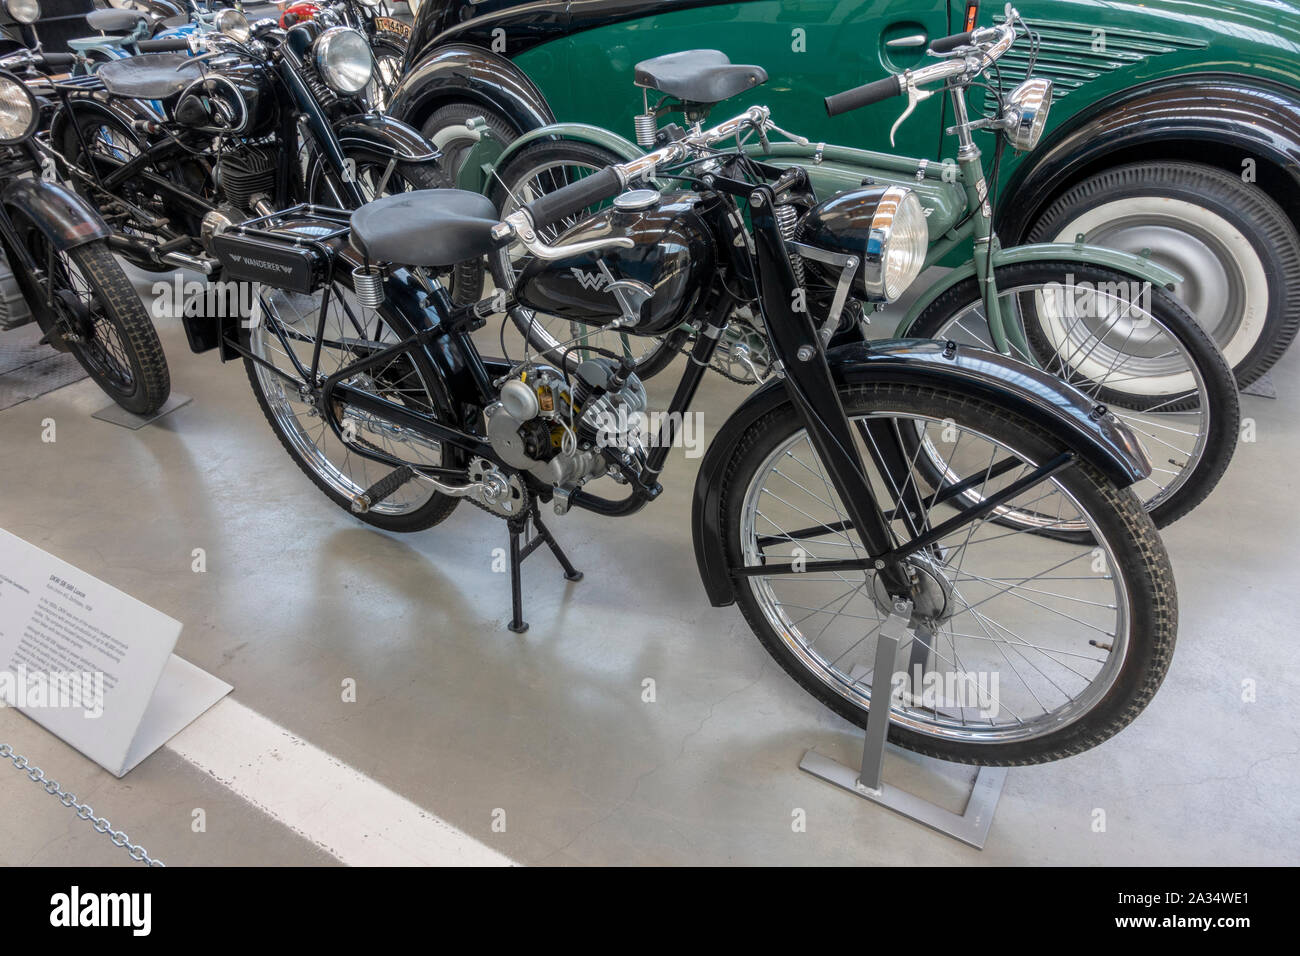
1006,336
811,387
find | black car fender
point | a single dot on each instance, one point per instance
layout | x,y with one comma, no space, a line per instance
463,72
376,137
1206,112
1080,425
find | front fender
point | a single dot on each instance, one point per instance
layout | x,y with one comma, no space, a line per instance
1132,265
579,132
465,73
380,138
64,218
1078,423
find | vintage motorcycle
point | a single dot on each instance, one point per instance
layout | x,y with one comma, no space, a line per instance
176,148
56,247
1103,320
811,511
388,36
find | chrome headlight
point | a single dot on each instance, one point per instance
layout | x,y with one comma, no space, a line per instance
1026,111
233,24
896,244
23,11
18,112
343,59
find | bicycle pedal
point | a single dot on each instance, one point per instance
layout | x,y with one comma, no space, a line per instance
382,489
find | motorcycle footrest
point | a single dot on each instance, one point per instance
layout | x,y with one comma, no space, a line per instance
377,493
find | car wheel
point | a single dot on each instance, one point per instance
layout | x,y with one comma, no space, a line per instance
1237,251
458,114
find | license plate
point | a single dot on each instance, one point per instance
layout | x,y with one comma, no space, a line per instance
389,25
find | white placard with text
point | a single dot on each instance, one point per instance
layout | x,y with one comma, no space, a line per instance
90,663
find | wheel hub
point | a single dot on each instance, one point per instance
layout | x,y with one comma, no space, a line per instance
931,595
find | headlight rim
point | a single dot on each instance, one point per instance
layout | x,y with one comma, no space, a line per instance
1029,105
17,19
319,53
30,131
883,238
240,34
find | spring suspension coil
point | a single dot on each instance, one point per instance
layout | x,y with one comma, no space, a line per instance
323,94
368,284
787,220
647,128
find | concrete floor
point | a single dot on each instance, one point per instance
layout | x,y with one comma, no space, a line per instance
466,720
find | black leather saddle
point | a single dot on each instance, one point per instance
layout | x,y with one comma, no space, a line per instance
115,21
149,76
428,227
698,76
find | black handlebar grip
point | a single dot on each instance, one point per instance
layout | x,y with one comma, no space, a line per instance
863,95
575,197
945,44
59,59
164,45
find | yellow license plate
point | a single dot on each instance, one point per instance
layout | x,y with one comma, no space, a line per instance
389,25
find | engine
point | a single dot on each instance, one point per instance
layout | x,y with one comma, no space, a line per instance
556,429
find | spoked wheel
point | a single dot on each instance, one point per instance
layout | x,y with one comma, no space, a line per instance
102,319
464,281
1021,648
1129,346
93,141
390,55
283,336
535,171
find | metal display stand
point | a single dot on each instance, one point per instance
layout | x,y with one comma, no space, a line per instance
971,826
117,415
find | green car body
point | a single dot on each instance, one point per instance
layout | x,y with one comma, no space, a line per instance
1139,88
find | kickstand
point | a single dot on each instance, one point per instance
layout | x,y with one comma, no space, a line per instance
518,552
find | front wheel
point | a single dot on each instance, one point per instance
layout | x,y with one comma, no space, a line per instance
1021,648
100,316
1128,345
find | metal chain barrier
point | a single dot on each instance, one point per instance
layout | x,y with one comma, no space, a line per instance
69,800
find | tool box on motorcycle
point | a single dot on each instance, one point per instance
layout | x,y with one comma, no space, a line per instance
292,249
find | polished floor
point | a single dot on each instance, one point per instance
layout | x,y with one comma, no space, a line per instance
543,747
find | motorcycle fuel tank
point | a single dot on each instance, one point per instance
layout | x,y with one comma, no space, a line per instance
672,253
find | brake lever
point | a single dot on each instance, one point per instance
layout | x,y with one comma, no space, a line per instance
519,225
914,95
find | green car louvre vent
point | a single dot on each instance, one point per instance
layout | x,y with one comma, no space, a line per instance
1072,54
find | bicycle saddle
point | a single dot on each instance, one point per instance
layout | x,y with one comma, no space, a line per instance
698,76
428,227
115,21
149,76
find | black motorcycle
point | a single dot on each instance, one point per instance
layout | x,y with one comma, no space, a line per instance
175,148
810,510
56,247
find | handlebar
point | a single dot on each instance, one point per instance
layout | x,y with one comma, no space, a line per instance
164,45
522,224
864,95
990,44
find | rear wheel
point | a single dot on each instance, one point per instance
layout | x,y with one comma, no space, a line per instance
534,171
283,337
95,141
1021,648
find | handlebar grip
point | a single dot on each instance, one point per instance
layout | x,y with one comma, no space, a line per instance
863,95
164,45
574,197
947,44
59,59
